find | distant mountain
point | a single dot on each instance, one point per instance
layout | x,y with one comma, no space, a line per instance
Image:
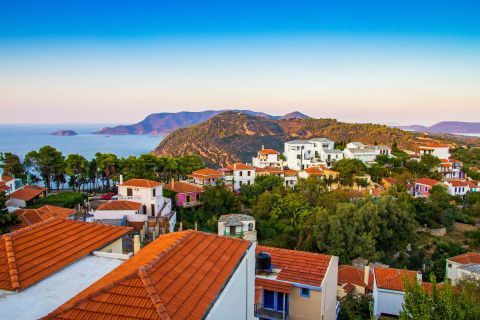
233,136
446,127
166,122
64,133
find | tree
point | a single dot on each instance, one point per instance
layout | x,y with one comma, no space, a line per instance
48,162
219,200
108,165
348,169
76,168
12,166
6,219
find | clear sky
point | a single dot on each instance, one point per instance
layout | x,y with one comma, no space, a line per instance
398,62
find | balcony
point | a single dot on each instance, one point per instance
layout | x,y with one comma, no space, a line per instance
233,235
191,204
261,312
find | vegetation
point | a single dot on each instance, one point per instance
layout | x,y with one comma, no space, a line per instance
355,308
62,199
6,219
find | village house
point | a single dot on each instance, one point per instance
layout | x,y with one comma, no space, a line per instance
147,192
360,151
45,264
186,194
9,184
457,188
26,196
181,275
238,174
206,177
464,265
441,151
389,182
291,177
423,186
267,158
354,281
389,289
326,152
238,226
295,285
474,185
301,154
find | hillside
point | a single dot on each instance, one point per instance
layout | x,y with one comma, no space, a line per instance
233,136
446,127
166,122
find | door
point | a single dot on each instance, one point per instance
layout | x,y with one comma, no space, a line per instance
152,207
233,230
268,299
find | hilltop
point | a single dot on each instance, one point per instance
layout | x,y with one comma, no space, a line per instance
234,136
166,122
446,127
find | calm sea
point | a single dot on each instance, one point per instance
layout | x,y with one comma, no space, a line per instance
20,139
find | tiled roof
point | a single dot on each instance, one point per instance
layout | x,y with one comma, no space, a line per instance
182,187
472,185
6,178
141,183
348,287
206,173
390,180
290,172
27,193
30,217
235,219
273,170
178,276
240,166
3,186
273,285
458,183
120,205
314,171
428,182
33,253
268,151
393,279
298,266
350,274
469,257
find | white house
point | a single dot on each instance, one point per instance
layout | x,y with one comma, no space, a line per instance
9,184
457,187
300,154
455,266
360,151
441,151
239,174
237,225
180,275
380,149
291,177
389,289
147,192
26,196
267,158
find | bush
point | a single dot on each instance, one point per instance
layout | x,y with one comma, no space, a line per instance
63,199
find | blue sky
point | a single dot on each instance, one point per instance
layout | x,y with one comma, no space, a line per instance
378,61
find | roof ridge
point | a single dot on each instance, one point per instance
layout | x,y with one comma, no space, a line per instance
152,292
12,266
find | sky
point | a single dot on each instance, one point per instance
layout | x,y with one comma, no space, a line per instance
394,62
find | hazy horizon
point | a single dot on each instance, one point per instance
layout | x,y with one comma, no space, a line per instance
115,62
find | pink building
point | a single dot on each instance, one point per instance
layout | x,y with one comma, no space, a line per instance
186,194
423,186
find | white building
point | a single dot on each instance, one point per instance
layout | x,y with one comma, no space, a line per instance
237,225
291,177
267,158
455,266
441,151
147,192
302,154
238,174
180,275
9,184
360,151
389,289
457,187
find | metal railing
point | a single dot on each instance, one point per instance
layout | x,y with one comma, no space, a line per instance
234,235
261,312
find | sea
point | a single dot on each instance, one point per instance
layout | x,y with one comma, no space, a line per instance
20,139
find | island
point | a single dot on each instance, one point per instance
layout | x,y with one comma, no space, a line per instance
64,133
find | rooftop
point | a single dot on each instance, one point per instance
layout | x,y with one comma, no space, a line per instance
182,187
393,279
30,217
141,183
268,151
427,181
27,193
235,219
33,253
298,266
240,166
472,267
178,276
120,205
299,142
321,140
466,258
355,276
206,173
315,171
458,183
6,178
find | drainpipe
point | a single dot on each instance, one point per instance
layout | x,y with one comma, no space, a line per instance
283,314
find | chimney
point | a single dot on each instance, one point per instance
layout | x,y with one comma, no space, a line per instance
235,166
263,147
172,182
136,243
121,179
366,274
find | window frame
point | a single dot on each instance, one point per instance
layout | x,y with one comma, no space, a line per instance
305,294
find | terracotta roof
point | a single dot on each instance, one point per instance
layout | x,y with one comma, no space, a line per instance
206,173
178,276
298,266
240,166
469,257
182,187
273,170
393,279
27,193
3,186
458,183
350,274
434,145
120,205
348,287
390,180
472,184
6,178
268,151
426,181
30,217
290,172
33,253
273,285
260,170
141,183
314,171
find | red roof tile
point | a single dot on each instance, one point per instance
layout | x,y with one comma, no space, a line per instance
30,217
178,276
458,183
6,178
290,172
182,187
393,279
268,151
206,173
315,171
33,253
240,166
141,183
27,193
428,182
298,266
350,274
120,205
273,170
273,285
469,257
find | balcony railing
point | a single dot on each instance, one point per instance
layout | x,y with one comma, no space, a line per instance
234,235
191,204
261,312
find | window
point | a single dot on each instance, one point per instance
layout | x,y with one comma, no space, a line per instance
248,173
304,292
426,189
154,192
240,173
129,192
449,265
250,227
